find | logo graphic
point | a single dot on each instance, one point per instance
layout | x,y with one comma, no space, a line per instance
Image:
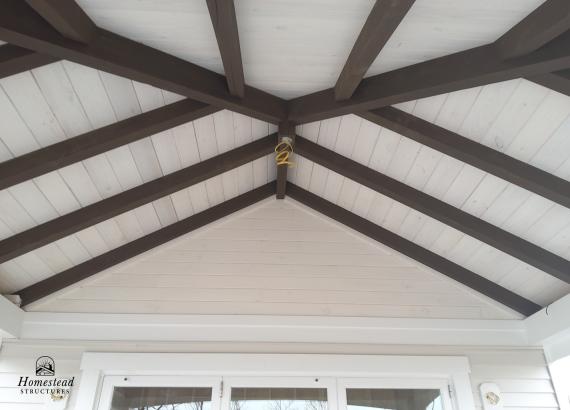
45,366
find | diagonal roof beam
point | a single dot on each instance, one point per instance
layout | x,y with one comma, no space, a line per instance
558,81
548,21
75,221
15,60
437,209
486,159
471,68
109,52
103,139
138,246
286,133
66,17
223,16
383,20
416,252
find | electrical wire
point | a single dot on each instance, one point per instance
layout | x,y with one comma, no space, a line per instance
283,151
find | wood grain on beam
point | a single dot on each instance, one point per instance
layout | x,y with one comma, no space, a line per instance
437,209
15,60
100,211
480,156
104,139
548,21
416,252
138,246
223,16
286,130
383,20
466,69
67,18
109,52
558,81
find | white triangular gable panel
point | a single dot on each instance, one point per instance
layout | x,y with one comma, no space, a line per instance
274,258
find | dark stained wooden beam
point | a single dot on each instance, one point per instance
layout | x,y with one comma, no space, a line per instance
480,156
416,252
437,209
104,139
75,221
383,20
558,81
544,24
471,68
286,131
109,52
223,16
66,17
15,60
138,246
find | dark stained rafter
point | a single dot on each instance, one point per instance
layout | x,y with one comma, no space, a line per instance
548,21
104,139
14,60
471,68
286,130
100,211
416,252
223,16
66,17
437,209
383,20
489,160
138,246
109,52
558,81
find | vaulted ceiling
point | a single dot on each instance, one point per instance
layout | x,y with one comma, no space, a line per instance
436,128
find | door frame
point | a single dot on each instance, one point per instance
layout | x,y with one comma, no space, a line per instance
96,367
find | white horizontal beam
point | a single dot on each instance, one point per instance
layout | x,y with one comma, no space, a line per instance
307,329
11,317
549,322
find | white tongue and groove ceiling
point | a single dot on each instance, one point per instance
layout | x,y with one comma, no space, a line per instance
275,258
295,47
246,265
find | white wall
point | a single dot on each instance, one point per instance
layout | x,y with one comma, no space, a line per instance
521,373
275,258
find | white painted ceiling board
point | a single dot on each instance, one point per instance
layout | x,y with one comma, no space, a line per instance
274,258
296,47
59,101
434,28
450,243
102,237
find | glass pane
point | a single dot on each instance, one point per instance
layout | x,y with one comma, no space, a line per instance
393,399
278,399
161,398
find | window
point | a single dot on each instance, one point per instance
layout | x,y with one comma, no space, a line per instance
163,398
393,399
278,399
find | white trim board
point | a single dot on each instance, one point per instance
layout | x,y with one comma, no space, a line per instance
293,329
550,327
11,318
